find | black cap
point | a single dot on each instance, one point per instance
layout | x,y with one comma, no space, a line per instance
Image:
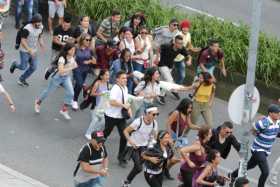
36,18
173,20
98,136
273,108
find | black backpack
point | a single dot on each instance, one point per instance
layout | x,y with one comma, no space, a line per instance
19,35
53,69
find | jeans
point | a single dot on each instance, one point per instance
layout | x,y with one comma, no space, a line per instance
180,72
130,84
35,7
110,123
205,110
258,158
79,77
55,83
165,73
97,123
28,5
96,182
154,180
138,163
25,59
138,67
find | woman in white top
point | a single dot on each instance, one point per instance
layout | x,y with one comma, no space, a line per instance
128,42
62,76
144,51
7,97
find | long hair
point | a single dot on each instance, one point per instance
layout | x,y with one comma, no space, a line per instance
82,38
63,53
184,105
203,133
148,76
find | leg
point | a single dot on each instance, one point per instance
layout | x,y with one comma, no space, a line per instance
18,13
52,9
24,59
195,112
263,165
180,69
166,74
138,67
60,12
53,85
69,91
29,7
79,78
97,123
121,125
35,7
187,178
275,171
207,114
109,126
33,63
153,180
130,85
136,157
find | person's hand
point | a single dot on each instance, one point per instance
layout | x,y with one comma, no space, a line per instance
103,172
224,72
31,52
126,106
12,108
189,63
132,144
191,164
154,160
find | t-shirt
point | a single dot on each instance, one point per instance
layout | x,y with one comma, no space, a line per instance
92,156
186,40
62,35
209,60
2,90
110,29
116,94
164,35
91,30
148,90
32,35
141,136
168,54
70,62
83,55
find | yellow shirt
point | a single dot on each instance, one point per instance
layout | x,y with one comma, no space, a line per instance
186,40
203,93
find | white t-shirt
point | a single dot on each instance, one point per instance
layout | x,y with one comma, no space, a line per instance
2,90
148,90
116,94
141,135
70,62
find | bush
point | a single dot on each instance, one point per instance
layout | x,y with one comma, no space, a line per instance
234,40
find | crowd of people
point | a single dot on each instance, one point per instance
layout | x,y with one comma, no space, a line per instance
131,62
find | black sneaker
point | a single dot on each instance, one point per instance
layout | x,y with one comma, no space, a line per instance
232,180
22,83
126,184
13,67
122,163
176,95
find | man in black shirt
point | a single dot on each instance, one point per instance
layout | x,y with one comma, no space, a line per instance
168,53
222,139
92,165
62,34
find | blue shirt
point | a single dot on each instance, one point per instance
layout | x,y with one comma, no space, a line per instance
118,65
267,132
83,55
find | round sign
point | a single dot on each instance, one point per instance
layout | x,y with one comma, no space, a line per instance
236,104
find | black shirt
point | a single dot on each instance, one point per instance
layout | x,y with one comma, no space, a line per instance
62,35
168,54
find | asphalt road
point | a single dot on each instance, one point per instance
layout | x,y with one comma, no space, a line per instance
45,146
236,11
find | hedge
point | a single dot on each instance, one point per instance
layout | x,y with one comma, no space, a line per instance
234,40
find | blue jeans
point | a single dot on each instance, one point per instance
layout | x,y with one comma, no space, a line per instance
180,72
55,83
25,59
130,84
28,5
35,7
97,123
138,67
96,182
79,77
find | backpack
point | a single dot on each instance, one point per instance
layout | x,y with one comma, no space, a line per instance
19,35
53,69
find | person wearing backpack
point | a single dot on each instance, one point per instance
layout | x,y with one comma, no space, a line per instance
92,166
31,35
210,57
140,134
62,76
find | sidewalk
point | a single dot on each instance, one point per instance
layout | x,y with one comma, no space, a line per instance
12,178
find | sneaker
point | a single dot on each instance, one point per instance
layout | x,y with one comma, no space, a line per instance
37,107
22,83
65,114
75,105
125,184
88,136
161,100
122,163
13,67
232,180
273,179
176,95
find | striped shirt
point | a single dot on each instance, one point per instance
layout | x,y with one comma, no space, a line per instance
267,131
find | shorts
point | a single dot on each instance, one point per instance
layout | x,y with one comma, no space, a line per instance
56,8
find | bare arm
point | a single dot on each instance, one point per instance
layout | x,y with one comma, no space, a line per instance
173,117
86,167
100,35
191,125
127,131
9,100
206,172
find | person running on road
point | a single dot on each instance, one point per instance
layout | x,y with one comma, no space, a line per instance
155,159
118,112
84,58
30,36
266,130
139,135
62,76
92,167
7,97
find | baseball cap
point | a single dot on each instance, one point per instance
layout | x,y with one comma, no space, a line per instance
98,136
273,108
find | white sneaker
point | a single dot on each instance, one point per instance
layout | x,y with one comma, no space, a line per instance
37,107
88,136
65,114
75,105
273,179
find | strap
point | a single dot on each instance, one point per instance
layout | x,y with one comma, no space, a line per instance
78,165
195,91
178,125
122,94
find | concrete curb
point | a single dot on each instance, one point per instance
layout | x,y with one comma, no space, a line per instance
21,177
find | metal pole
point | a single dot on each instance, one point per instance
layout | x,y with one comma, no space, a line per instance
249,88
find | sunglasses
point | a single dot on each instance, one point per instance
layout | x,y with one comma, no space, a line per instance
175,24
143,32
156,114
229,132
88,40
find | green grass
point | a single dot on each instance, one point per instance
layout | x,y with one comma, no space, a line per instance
234,40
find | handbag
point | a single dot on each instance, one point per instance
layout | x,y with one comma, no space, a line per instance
124,111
